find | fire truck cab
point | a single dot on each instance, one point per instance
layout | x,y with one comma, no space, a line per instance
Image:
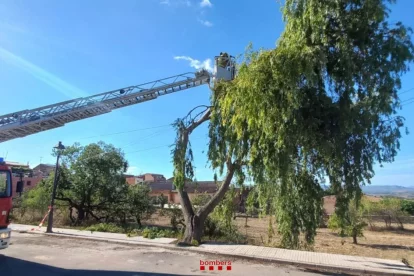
5,203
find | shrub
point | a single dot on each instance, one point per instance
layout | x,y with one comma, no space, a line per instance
105,227
388,209
407,206
219,225
139,203
162,200
176,218
152,233
353,223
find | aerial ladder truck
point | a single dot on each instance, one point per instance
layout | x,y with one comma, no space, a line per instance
27,122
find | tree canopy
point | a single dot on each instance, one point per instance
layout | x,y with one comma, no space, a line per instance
91,178
322,104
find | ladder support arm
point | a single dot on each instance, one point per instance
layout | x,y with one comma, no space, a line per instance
27,122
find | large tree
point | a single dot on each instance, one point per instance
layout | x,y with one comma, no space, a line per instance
321,104
91,180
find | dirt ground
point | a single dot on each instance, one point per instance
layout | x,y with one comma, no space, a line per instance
378,244
386,244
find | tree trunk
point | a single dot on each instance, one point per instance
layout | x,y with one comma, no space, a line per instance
195,222
138,220
72,219
354,236
188,213
81,215
123,218
194,229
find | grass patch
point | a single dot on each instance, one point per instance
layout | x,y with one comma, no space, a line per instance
147,232
105,227
153,232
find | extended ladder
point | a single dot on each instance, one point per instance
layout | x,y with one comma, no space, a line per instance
27,122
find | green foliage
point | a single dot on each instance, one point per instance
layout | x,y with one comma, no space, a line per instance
329,191
37,200
225,211
162,200
176,218
91,180
219,225
352,224
139,202
152,233
91,185
149,233
407,206
200,199
270,231
389,209
252,203
322,103
220,230
105,227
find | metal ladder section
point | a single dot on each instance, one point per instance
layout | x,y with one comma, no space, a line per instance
27,122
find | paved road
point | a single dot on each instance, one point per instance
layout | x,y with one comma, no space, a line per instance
35,255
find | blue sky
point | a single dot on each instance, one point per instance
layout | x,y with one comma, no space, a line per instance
52,51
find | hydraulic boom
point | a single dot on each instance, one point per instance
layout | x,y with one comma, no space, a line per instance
27,122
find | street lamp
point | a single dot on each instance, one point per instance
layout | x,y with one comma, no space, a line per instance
59,148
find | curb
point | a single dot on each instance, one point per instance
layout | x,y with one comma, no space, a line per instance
300,265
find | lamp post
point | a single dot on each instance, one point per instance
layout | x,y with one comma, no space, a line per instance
59,148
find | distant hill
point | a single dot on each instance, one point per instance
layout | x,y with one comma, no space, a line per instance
386,190
389,190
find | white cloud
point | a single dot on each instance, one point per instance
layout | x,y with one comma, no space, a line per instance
205,23
176,2
206,64
205,3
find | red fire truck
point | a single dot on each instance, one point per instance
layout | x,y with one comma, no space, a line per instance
5,203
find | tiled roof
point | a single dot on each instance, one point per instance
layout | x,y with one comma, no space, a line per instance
16,164
160,186
202,187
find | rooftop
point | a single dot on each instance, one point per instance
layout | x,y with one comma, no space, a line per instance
16,164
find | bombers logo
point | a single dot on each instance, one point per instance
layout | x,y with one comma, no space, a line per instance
215,265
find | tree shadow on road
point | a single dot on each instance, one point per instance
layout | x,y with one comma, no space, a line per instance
16,267
388,246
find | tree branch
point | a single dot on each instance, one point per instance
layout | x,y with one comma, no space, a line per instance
195,124
189,113
219,195
94,216
187,207
68,200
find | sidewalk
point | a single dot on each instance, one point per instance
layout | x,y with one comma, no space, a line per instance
98,235
304,259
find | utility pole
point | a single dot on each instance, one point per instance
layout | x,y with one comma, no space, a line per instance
59,148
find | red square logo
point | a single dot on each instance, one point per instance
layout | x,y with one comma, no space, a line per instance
202,267
229,267
211,267
220,267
